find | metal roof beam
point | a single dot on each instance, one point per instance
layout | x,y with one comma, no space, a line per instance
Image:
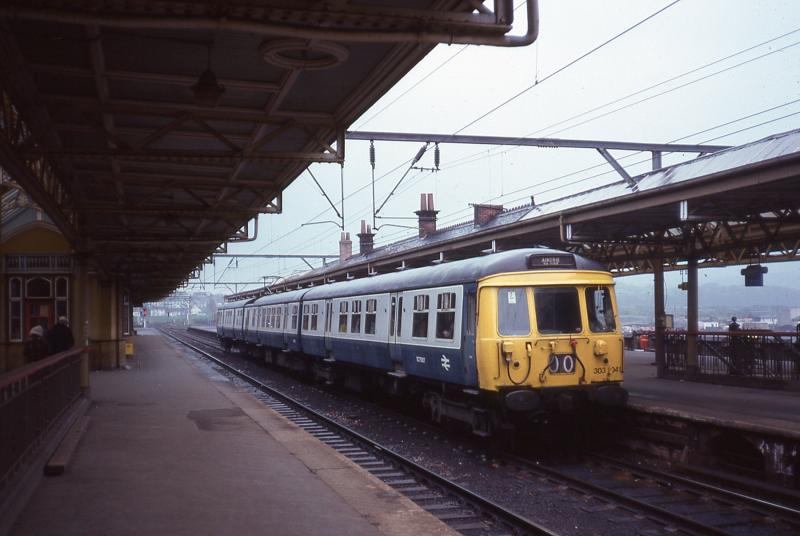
219,113
158,155
156,78
341,23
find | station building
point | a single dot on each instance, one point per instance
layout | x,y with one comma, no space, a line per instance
42,278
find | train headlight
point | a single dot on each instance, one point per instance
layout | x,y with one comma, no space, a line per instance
600,348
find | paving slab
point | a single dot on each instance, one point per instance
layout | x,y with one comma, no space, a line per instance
761,410
175,448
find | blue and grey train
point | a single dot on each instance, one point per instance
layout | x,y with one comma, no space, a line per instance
485,340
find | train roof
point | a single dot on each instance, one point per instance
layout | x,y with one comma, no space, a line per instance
234,304
449,273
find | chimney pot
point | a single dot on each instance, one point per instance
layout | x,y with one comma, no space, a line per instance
426,215
345,247
366,239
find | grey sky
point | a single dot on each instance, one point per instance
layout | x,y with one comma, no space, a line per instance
455,85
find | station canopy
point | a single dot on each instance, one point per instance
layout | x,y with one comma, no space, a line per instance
152,132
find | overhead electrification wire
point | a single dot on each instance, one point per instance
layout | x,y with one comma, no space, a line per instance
404,93
567,66
453,217
480,155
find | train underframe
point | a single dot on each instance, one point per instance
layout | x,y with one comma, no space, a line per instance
485,413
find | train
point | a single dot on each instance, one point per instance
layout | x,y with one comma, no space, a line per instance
509,337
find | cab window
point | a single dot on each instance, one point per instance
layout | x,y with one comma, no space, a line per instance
599,309
513,319
557,310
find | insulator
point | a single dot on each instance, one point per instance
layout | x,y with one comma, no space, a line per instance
436,156
372,153
420,153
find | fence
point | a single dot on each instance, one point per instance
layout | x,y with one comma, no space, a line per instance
32,398
743,357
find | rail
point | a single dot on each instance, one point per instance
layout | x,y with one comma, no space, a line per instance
32,398
751,357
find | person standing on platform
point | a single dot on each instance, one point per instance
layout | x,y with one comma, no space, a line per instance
60,337
735,367
35,347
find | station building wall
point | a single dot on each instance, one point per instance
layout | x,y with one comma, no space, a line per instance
41,279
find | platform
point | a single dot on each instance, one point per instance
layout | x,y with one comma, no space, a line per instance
174,448
745,408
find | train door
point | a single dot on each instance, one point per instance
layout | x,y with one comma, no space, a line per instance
327,324
395,329
504,339
38,313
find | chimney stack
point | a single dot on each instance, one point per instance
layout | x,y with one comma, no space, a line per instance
426,215
345,247
366,241
485,213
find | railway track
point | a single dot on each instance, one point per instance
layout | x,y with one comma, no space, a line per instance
461,509
626,494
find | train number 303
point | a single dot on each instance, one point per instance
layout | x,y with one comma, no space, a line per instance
607,370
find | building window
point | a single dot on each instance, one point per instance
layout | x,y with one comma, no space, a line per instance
38,287
445,315
343,317
419,327
314,316
15,309
370,317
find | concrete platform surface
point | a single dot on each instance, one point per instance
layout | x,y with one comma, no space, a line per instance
762,410
174,448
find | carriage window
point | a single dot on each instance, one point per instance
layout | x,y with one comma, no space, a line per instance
294,316
314,315
419,327
355,318
343,317
392,319
601,313
557,310
400,316
512,312
445,315
369,319
278,316
305,318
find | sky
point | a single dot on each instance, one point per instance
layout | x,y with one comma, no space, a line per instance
700,71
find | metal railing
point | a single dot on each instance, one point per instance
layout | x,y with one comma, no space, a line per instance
38,263
745,357
32,398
